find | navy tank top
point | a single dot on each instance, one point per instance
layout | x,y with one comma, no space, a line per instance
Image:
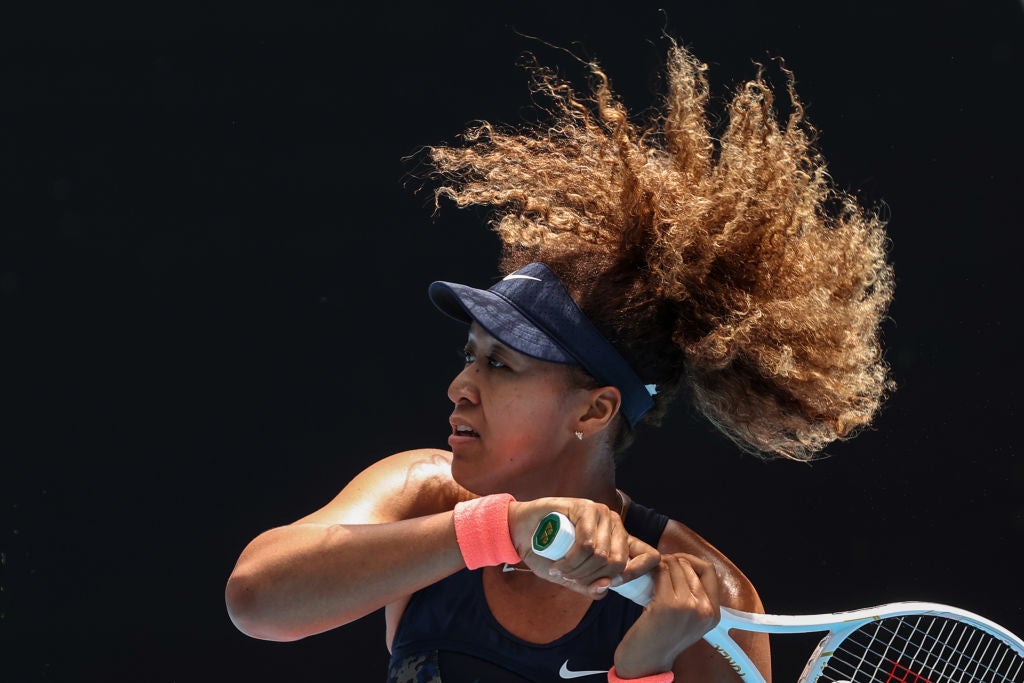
447,633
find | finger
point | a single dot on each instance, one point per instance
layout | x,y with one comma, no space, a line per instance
703,572
699,565
587,560
596,546
585,520
687,581
618,554
671,581
610,551
642,559
695,593
615,557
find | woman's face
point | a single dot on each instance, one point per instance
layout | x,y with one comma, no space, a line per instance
513,421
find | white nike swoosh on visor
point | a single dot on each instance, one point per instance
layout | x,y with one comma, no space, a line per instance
564,672
516,276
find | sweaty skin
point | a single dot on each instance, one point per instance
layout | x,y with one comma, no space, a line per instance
390,532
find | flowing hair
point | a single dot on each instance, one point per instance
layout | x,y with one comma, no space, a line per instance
732,266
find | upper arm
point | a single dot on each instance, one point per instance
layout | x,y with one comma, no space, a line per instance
700,663
401,486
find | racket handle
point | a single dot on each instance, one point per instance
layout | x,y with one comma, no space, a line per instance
555,535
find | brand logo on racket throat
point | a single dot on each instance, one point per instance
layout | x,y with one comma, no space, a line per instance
566,672
732,662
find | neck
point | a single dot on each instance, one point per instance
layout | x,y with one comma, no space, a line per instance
581,474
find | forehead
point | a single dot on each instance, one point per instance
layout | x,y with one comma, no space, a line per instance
480,337
483,341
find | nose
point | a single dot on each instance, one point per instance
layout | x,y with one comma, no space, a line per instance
463,388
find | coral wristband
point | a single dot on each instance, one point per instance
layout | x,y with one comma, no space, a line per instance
481,528
666,677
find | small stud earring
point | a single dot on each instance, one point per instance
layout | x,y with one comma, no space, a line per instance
579,435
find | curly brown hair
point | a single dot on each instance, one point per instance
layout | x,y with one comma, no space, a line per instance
733,266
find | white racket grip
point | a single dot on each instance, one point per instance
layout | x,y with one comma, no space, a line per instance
555,535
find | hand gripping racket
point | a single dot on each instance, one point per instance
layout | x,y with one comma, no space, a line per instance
901,642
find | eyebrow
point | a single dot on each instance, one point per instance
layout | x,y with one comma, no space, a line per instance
496,346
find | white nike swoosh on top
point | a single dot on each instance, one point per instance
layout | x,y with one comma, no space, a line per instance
516,276
564,672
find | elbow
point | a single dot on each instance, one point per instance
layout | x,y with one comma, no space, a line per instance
249,611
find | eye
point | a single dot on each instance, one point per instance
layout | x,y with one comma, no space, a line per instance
469,356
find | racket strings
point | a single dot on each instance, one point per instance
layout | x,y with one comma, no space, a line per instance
923,649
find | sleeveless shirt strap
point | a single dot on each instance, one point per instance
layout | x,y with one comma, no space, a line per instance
645,523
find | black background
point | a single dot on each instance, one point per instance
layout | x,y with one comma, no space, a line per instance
213,269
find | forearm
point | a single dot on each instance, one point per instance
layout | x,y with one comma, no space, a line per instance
297,580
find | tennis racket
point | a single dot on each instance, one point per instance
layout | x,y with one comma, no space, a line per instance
901,642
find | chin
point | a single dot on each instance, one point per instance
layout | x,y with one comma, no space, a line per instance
474,482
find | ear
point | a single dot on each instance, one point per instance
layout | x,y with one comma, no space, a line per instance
602,408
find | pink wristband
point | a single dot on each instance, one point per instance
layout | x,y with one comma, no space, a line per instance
481,528
664,677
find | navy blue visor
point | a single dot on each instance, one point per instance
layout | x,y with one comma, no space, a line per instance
532,312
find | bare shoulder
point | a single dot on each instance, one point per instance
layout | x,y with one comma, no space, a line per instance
400,486
735,589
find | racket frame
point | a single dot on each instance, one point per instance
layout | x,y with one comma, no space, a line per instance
555,535
839,625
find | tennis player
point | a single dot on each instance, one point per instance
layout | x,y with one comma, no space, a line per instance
638,261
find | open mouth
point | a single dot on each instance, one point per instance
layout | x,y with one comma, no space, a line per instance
463,430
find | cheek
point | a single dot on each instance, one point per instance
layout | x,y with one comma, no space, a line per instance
527,420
